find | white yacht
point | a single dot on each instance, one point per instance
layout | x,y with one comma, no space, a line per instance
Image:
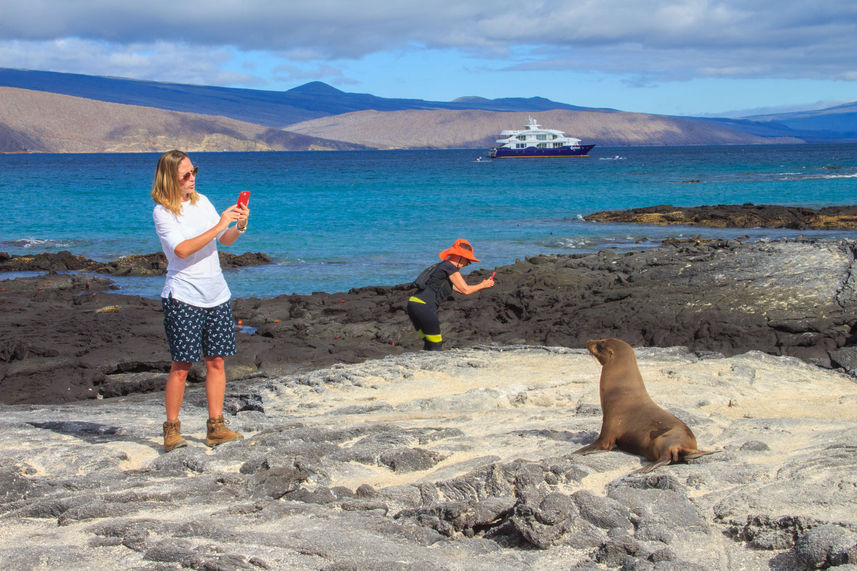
533,141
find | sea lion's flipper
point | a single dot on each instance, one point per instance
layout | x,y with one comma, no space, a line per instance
699,453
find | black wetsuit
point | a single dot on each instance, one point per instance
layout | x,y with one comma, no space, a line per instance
423,305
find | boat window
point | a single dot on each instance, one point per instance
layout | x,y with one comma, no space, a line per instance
520,146
542,137
522,137
542,145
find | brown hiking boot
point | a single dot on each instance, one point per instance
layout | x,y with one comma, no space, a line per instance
218,433
172,437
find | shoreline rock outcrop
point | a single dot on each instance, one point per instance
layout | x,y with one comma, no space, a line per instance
140,265
736,216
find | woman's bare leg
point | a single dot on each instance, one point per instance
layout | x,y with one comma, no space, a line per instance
174,393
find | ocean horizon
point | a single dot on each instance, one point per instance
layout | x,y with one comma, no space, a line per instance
335,220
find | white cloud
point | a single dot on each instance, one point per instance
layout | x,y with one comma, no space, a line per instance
638,43
340,29
160,61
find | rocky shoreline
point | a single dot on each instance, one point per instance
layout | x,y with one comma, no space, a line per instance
68,337
363,452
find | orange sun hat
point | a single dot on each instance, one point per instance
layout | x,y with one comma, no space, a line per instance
461,248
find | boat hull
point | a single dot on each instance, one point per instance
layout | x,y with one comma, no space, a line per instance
534,152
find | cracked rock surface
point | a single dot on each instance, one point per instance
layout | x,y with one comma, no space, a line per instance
452,460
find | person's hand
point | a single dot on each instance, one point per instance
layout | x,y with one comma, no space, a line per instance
243,215
488,282
229,216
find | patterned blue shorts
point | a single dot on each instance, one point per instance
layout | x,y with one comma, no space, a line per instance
197,332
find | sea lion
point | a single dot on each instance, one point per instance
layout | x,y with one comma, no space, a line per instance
631,420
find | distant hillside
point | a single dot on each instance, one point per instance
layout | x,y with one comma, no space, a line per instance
479,129
34,121
833,123
270,108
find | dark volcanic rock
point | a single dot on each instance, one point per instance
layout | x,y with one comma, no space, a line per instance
61,261
827,546
67,337
737,216
142,265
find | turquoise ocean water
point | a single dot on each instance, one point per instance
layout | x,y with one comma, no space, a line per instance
337,220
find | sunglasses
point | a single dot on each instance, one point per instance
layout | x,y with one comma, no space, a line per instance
186,176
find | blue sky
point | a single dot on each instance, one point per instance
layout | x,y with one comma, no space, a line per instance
688,57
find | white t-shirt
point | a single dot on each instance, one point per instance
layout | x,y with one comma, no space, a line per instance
195,280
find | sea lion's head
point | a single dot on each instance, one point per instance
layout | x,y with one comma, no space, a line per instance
600,350
605,350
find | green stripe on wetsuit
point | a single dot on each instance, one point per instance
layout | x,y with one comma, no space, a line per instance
433,338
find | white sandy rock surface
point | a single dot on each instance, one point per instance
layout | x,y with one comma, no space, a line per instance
452,460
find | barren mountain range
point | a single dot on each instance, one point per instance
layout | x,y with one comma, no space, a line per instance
36,121
66,113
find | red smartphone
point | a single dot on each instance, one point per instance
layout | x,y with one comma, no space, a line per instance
243,198
492,276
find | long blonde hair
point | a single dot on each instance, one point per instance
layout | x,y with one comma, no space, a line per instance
165,188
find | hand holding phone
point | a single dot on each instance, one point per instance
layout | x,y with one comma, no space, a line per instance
243,198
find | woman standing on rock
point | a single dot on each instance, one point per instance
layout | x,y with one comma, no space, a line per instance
440,283
197,315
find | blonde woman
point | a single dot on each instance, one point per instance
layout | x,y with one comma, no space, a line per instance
197,314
